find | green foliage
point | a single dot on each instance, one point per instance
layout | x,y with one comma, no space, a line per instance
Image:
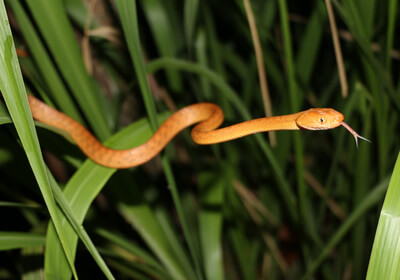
385,252
307,208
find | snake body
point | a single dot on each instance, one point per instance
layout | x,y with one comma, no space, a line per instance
208,118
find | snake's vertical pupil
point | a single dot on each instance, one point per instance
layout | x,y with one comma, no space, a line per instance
321,120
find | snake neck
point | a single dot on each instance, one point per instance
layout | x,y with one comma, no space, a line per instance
207,137
286,122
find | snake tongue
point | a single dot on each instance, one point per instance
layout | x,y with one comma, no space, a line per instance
355,134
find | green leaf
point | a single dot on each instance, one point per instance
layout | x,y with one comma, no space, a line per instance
210,222
164,35
385,255
18,240
14,93
150,230
190,16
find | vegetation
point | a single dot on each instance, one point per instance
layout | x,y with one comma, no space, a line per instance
285,205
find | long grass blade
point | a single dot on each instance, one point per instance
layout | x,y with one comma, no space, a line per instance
385,251
12,87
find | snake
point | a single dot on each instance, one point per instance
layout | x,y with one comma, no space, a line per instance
207,117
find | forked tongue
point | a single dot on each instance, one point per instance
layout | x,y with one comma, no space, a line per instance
355,134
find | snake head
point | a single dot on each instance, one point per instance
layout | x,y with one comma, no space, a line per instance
319,119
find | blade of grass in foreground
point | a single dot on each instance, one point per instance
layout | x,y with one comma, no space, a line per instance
385,256
13,89
78,228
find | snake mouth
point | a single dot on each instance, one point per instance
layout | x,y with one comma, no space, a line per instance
355,134
303,127
317,128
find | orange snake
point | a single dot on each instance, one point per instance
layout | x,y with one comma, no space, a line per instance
208,115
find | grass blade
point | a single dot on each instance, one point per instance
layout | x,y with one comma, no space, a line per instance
384,261
162,30
17,240
210,223
12,87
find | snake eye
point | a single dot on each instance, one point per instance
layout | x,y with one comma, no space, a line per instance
322,120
